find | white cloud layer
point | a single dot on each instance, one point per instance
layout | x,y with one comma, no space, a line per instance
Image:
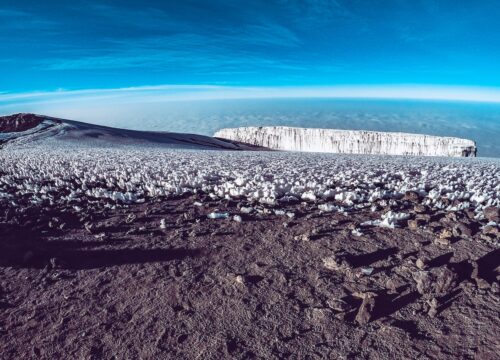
203,109
214,92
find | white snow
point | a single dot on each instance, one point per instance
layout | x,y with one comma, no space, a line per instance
329,207
389,220
349,141
47,173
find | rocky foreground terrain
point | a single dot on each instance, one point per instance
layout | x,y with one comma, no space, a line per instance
130,252
162,280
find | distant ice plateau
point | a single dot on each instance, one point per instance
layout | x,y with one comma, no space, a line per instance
349,141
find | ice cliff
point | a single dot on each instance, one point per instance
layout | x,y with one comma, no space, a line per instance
349,141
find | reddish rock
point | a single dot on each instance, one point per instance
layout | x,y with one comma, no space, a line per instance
19,122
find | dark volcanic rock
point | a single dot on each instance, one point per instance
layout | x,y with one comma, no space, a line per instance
19,122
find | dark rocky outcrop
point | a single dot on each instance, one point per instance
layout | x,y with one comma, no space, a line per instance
19,122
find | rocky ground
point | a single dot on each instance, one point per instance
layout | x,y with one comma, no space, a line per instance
163,280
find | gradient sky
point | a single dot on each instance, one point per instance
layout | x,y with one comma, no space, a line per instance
199,65
72,45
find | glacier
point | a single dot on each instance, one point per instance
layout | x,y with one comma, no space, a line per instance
349,141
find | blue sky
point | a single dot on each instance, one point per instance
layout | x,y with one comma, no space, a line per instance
72,45
199,65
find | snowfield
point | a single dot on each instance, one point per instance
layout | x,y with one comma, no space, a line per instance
20,130
71,175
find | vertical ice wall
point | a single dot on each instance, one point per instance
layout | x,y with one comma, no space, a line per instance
349,141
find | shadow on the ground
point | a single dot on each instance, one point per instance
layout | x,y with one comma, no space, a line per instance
388,304
23,248
440,260
489,266
447,300
5,305
411,328
370,258
90,259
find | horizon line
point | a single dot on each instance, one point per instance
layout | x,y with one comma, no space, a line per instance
200,92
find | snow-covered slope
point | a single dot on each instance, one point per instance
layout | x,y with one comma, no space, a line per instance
28,129
349,141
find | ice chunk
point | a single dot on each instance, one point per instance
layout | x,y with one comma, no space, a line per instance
329,207
215,215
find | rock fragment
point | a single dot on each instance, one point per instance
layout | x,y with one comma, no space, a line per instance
338,305
420,209
445,281
335,263
442,241
451,216
436,282
492,213
303,237
423,281
445,237
421,264
446,234
365,312
462,229
433,307
411,196
480,282
414,224
491,230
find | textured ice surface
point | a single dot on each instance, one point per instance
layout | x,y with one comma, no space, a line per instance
47,174
349,141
